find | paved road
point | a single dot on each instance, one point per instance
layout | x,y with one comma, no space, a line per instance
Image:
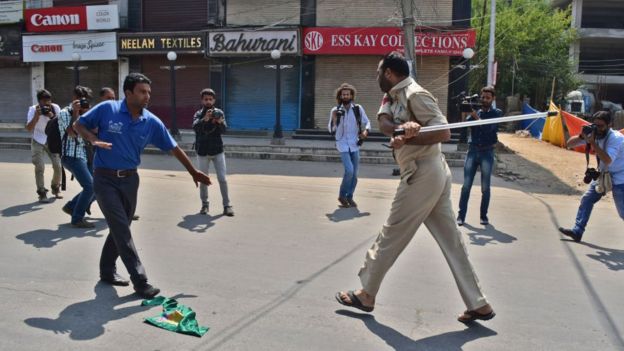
265,279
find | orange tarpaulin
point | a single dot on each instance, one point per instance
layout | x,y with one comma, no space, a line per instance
574,124
553,128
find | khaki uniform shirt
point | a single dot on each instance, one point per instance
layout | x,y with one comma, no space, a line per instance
408,101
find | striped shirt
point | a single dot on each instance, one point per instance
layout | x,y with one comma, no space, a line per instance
72,147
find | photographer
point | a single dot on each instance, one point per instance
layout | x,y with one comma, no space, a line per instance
36,121
74,157
609,147
209,124
480,154
350,125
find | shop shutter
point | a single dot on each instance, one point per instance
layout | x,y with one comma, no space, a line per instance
59,79
15,95
250,94
190,80
360,71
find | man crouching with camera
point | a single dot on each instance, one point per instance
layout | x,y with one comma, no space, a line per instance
350,125
608,145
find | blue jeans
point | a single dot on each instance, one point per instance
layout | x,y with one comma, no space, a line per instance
484,159
587,205
79,204
350,161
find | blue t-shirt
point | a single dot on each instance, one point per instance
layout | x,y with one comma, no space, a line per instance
129,137
485,135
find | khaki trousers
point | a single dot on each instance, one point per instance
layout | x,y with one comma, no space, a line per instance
423,196
38,150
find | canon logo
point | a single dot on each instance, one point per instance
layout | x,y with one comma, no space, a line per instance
46,48
39,20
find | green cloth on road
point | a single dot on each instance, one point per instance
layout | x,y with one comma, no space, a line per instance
175,317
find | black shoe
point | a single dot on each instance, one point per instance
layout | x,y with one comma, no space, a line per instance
570,233
228,211
484,221
344,202
146,291
460,221
204,209
135,217
352,203
114,279
43,197
68,210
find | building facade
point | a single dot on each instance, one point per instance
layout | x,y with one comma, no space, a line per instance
599,51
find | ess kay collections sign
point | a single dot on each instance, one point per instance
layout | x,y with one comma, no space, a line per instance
380,41
79,18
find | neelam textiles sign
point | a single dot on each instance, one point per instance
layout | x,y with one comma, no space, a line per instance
79,18
60,47
241,43
380,41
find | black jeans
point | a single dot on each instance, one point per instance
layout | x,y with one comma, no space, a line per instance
117,198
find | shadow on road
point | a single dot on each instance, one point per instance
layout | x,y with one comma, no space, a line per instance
451,341
488,235
86,320
612,258
46,238
345,214
198,223
19,210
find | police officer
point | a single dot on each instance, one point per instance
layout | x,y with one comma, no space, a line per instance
423,195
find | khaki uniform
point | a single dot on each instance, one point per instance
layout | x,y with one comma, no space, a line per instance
423,196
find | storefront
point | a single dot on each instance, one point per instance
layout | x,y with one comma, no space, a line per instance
249,98
61,60
15,96
352,55
147,53
14,75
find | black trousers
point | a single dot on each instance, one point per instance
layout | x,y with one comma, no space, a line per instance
117,198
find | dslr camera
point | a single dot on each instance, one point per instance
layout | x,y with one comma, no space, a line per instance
470,103
589,129
84,103
45,109
340,112
590,174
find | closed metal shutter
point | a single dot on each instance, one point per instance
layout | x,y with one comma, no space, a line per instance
59,79
360,71
15,95
250,94
191,78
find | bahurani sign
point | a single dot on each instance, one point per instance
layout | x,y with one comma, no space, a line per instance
240,43
380,41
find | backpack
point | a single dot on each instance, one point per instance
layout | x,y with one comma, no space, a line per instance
55,143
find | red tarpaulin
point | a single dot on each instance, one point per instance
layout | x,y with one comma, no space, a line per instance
574,124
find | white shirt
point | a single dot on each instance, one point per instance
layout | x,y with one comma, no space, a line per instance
39,131
347,131
615,150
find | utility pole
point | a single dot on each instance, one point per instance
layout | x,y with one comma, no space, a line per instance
407,7
490,77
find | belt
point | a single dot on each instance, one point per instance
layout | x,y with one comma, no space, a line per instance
119,173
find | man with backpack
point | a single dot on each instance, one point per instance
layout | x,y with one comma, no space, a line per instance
350,126
37,119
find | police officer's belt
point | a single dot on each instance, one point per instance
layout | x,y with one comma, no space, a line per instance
119,173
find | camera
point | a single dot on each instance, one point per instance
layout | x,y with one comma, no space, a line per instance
340,112
45,109
590,174
589,129
470,103
84,103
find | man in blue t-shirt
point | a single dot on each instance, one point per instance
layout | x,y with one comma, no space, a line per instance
480,154
124,128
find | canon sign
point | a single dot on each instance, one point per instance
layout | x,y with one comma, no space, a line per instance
39,20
